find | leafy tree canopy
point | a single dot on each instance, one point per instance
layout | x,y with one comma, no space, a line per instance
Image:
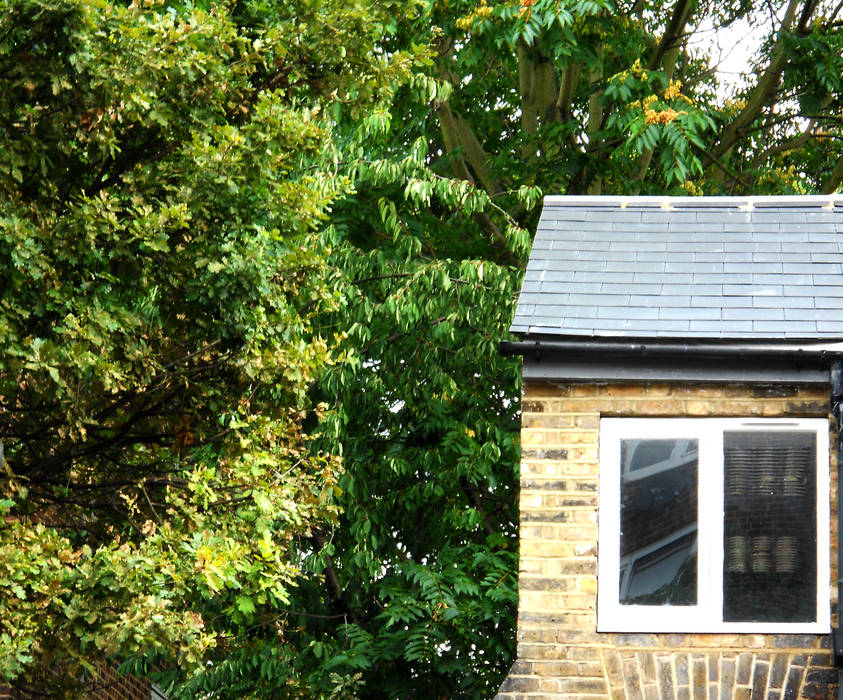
519,99
164,169
420,178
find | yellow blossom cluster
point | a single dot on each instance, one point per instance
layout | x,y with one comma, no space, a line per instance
673,88
637,69
673,92
665,116
481,12
692,188
526,8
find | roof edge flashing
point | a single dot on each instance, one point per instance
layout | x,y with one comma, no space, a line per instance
678,202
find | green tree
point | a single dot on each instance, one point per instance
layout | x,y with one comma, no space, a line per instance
137,178
418,588
164,169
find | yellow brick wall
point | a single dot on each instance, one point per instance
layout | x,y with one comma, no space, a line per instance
560,653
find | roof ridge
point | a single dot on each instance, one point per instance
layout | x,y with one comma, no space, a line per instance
826,201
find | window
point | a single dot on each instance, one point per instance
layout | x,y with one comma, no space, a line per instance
713,525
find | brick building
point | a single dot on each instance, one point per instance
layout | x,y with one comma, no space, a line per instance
678,475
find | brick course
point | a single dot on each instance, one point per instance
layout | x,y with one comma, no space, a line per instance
560,653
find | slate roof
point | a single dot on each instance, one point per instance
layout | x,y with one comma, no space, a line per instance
694,267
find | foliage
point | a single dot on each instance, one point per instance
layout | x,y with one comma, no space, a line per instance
418,586
163,154
164,170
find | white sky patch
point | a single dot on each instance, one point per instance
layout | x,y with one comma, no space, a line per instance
731,50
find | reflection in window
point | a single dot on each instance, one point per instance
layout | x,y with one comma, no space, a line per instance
658,522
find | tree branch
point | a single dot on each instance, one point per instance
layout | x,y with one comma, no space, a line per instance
758,97
835,179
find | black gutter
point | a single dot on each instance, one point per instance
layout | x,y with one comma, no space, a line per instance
817,355
587,347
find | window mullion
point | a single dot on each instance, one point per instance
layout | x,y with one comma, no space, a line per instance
711,520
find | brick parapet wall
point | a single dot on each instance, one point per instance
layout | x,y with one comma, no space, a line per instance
560,653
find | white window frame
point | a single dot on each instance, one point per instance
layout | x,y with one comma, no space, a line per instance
706,615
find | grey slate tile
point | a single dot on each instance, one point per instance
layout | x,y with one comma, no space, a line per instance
694,289
696,246
814,315
791,327
752,289
813,268
783,278
694,266
601,276
756,268
646,256
732,257
828,302
550,276
778,216
788,247
656,300
639,246
723,302
609,215
598,299
579,311
720,278
624,312
660,216
780,236
698,228
828,291
635,288
826,216
663,277
548,321
722,216
698,312
528,298
721,326
552,288
783,302
778,257
634,265
702,268
752,247
753,313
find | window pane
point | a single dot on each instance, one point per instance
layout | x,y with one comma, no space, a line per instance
770,538
658,522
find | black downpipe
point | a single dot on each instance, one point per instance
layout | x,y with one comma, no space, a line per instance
836,378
